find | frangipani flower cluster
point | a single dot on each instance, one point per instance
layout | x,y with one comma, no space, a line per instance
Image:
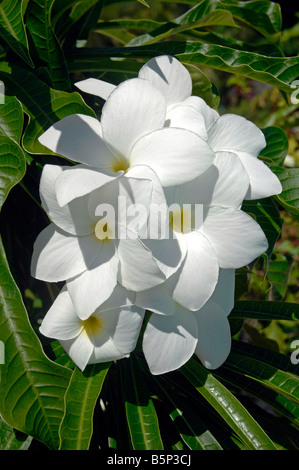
147,216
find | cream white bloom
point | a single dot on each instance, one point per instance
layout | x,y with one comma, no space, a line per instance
110,333
170,339
222,236
227,133
131,133
84,247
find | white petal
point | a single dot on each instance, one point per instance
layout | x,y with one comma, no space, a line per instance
169,340
236,238
168,254
79,138
95,285
209,114
132,110
194,282
138,269
58,256
225,183
224,293
235,133
120,330
176,155
214,337
80,180
156,300
263,182
186,117
96,87
61,321
169,76
79,349
73,218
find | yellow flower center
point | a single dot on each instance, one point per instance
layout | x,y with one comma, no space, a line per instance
92,325
103,231
181,220
120,164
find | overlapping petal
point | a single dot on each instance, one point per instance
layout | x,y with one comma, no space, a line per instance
169,340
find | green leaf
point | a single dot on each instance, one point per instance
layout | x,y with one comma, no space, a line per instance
281,381
282,405
78,11
141,414
200,16
143,2
42,104
261,15
12,166
47,47
267,216
265,310
279,72
278,274
11,118
289,197
12,28
11,439
189,425
80,400
31,387
277,145
228,407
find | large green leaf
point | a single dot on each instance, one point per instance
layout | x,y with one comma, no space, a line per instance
289,197
11,439
12,28
11,118
266,213
264,16
276,71
47,48
42,104
141,415
277,145
80,399
279,403
228,407
12,165
31,387
265,310
281,381
189,425
200,16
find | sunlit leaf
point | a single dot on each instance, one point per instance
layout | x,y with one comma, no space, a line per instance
12,28
228,407
80,399
43,105
141,414
276,71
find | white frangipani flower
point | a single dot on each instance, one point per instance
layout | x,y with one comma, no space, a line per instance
170,339
109,333
87,250
227,133
221,235
131,133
